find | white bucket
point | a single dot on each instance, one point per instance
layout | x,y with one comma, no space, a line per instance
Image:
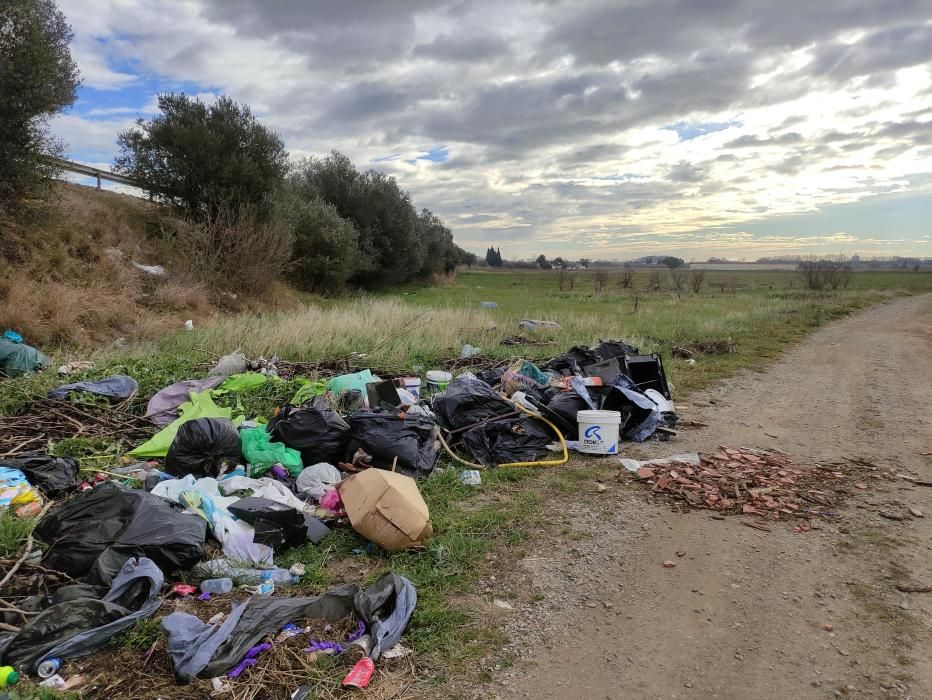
413,384
598,431
438,380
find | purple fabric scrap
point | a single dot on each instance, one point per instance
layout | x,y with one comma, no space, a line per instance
249,660
325,646
358,632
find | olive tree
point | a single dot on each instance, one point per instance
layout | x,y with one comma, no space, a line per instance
38,79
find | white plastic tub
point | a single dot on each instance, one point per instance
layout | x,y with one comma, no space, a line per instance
598,432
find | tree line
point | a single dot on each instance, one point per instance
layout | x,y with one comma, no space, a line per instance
326,223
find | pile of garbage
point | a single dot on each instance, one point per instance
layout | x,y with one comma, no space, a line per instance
345,449
761,482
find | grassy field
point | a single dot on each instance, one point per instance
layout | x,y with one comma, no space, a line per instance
416,328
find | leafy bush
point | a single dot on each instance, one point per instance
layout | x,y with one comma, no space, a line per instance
325,254
203,158
392,237
38,78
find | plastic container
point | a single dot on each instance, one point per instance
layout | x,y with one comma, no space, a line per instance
217,585
8,676
220,568
49,668
413,384
598,432
438,380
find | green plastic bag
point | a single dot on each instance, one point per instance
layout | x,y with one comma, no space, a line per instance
529,369
17,359
243,382
198,405
262,454
309,389
351,382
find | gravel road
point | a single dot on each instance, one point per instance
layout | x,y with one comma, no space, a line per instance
746,613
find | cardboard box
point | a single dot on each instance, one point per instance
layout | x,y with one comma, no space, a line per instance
387,508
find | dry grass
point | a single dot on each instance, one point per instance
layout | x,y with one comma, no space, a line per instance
67,278
390,332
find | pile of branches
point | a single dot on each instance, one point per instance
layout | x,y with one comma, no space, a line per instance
50,420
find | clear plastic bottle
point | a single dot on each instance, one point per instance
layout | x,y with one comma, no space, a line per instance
221,568
217,585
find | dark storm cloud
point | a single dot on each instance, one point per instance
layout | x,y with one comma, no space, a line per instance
462,50
885,50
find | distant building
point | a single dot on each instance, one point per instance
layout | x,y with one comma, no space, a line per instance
855,259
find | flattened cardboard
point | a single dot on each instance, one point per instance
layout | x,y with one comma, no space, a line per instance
387,508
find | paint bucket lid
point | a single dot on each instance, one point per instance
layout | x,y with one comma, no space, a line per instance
598,417
436,376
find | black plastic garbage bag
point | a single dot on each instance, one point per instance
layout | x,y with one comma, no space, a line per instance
54,476
607,349
386,606
80,622
386,435
200,650
522,439
277,525
562,410
202,447
314,429
93,534
467,402
572,361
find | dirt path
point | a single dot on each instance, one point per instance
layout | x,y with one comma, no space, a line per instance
750,614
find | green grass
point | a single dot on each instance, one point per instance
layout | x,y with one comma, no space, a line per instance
13,533
140,636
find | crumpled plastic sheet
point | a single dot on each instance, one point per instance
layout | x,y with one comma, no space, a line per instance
203,497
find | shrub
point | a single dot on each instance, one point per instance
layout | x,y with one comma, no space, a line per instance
234,249
626,279
38,78
325,244
600,279
696,279
203,158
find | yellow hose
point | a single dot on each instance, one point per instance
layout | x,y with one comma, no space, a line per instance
543,463
546,462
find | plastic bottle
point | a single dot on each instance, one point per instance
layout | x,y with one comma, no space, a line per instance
217,585
8,676
218,568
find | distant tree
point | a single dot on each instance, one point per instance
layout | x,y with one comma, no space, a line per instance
599,280
671,262
558,262
653,281
696,278
38,78
541,260
678,280
584,262
203,157
494,257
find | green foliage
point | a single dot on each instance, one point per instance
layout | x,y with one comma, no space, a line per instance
203,158
38,78
392,238
13,532
326,253
140,636
672,262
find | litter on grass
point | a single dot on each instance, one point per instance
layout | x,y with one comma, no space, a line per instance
223,497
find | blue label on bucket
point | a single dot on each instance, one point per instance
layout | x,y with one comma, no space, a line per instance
593,435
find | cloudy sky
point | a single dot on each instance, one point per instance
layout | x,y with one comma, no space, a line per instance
597,128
